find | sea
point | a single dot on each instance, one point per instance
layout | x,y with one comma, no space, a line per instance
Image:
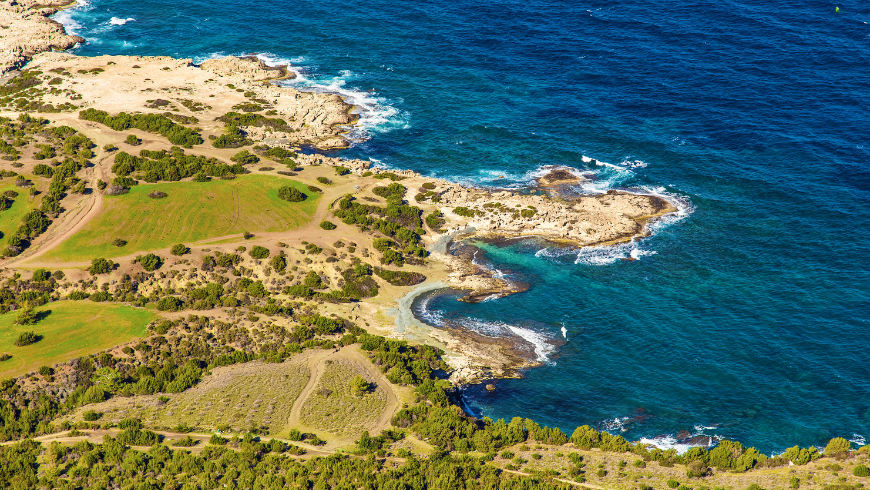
743,316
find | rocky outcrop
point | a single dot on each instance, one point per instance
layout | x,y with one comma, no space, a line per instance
26,31
247,68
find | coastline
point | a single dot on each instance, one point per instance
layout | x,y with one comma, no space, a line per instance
320,120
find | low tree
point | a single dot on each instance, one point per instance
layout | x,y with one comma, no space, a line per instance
838,447
26,316
291,194
101,266
150,262
179,249
359,386
27,338
259,252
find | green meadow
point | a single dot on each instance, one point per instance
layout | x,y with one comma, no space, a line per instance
72,329
192,212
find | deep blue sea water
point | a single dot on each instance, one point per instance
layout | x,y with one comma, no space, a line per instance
747,317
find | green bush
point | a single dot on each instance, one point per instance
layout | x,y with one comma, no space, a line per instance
291,194
673,483
217,440
245,157
151,123
186,441
339,170
27,338
169,303
78,295
324,180
861,470
179,249
101,266
327,225
41,275
313,280
150,262
133,140
259,252
838,447
359,386
91,416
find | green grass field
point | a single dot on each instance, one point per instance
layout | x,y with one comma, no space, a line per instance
11,218
193,211
73,329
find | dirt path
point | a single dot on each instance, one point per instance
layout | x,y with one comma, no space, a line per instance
72,220
317,365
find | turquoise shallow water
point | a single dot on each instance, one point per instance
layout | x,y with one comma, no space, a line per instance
745,318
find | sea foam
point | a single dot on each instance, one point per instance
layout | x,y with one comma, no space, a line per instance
116,21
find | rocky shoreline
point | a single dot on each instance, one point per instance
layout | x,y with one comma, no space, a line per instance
204,94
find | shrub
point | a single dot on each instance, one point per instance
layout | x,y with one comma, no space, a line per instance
861,470
359,386
838,447
291,194
186,441
132,140
429,185
259,252
94,394
339,170
26,316
245,157
314,188
150,262
217,440
673,483
78,295
119,242
179,249
327,225
313,280
157,194
324,180
169,303
602,473
41,275
101,266
91,416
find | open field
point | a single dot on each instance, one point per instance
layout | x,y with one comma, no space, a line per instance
254,394
72,329
11,218
333,407
193,211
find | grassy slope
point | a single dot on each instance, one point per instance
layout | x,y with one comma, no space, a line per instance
341,412
11,218
193,211
241,396
73,329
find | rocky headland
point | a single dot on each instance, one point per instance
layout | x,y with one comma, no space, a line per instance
241,94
